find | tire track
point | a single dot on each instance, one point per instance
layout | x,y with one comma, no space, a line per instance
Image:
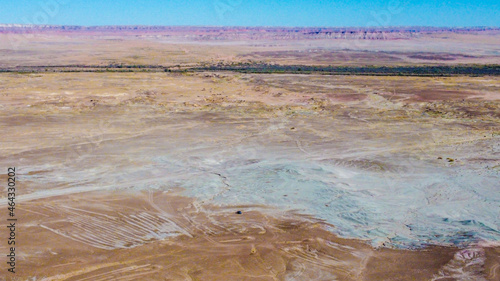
111,232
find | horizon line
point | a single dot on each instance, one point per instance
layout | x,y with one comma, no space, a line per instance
247,26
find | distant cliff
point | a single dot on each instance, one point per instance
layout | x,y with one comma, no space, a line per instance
244,33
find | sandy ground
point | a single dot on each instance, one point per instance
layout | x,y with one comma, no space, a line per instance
94,205
118,236
49,49
224,176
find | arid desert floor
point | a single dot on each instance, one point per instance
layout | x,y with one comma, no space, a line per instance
220,175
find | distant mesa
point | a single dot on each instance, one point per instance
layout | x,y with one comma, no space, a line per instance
245,33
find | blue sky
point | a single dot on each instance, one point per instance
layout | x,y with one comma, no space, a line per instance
253,12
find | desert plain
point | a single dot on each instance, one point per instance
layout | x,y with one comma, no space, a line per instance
140,156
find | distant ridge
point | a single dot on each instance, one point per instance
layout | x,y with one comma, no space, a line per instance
238,32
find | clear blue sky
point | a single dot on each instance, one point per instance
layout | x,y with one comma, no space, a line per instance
253,12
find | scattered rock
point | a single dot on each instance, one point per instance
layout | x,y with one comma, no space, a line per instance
253,251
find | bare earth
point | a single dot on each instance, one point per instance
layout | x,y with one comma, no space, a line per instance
228,176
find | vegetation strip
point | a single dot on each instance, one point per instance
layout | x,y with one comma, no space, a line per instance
421,70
